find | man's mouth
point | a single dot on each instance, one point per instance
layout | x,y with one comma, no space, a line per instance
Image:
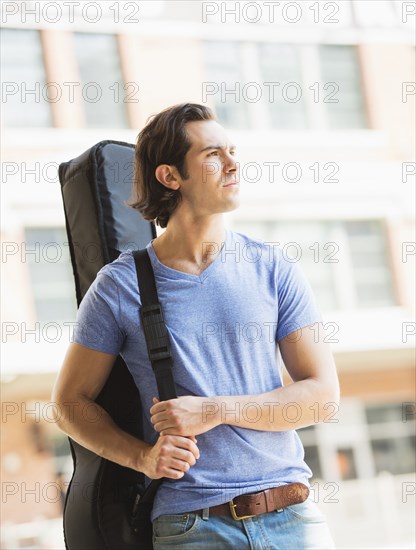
230,183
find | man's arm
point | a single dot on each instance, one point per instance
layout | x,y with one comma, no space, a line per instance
313,396
82,376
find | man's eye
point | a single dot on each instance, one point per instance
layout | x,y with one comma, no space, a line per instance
232,152
213,153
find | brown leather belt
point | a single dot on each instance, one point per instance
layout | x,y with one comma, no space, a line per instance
254,504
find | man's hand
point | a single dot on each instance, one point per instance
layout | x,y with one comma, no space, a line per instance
171,457
184,415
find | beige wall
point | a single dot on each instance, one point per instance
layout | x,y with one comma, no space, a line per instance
385,68
168,67
61,66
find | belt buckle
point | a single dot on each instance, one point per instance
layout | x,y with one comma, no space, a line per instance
234,515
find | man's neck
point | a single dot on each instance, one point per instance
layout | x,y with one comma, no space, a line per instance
192,246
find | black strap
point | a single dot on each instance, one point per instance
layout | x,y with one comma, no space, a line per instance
155,331
158,348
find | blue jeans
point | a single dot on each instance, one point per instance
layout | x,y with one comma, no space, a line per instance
298,527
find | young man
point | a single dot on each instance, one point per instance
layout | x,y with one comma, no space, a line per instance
227,445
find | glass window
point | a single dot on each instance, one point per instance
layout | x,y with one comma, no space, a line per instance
309,240
23,80
339,64
308,437
371,270
60,449
51,273
313,461
385,413
280,63
101,80
292,79
395,455
392,433
225,80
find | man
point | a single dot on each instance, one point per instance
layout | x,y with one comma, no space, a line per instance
227,445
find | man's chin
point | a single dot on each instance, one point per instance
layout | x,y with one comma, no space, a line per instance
232,204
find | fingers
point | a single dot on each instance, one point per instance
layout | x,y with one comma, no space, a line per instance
186,443
186,456
169,466
159,416
157,406
161,422
176,455
166,421
172,432
176,469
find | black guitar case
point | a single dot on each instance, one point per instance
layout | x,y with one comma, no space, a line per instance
95,187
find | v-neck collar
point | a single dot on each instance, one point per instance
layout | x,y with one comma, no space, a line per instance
170,273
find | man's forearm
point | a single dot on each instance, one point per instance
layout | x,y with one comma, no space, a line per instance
290,407
93,428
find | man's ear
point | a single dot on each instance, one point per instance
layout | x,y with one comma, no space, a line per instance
166,175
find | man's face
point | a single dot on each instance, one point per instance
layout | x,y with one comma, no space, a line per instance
213,183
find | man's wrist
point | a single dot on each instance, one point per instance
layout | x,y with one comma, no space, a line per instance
211,411
139,456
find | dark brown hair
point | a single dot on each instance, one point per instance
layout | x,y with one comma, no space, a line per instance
163,141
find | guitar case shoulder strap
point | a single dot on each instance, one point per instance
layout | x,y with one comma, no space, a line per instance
155,331
159,351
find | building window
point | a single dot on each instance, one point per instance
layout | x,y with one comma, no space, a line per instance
224,82
23,80
101,80
281,63
392,437
383,442
370,267
271,86
346,262
47,254
339,65
310,445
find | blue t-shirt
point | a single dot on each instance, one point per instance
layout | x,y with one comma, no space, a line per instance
223,325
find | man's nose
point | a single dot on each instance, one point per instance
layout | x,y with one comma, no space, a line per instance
230,164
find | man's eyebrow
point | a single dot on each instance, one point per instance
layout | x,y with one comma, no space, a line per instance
208,147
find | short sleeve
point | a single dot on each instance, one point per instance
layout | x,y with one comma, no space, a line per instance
296,302
98,324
